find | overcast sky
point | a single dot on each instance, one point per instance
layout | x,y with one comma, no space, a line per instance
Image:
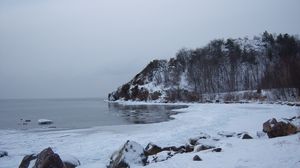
88,48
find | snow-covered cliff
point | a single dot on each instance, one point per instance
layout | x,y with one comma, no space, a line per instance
222,66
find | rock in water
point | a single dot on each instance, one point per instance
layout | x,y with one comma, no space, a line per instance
44,122
131,153
277,129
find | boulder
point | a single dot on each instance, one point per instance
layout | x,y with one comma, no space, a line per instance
131,153
3,153
47,158
197,158
277,129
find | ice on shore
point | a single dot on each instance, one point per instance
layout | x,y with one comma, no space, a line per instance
94,146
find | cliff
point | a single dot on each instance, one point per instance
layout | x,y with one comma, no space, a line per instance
268,62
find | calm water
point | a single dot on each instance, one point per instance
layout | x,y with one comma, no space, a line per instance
78,113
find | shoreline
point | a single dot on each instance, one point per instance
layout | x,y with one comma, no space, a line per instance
94,146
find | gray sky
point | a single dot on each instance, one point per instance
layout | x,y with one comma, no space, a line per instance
88,48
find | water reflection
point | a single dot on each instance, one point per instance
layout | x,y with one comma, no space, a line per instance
143,114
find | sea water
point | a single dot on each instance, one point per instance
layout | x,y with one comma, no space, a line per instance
77,113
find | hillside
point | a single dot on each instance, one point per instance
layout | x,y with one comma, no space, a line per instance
267,62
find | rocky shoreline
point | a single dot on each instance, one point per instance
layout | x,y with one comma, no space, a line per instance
133,154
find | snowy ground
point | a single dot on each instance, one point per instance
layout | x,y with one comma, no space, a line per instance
94,146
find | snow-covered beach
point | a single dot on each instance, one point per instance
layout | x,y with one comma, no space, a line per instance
94,146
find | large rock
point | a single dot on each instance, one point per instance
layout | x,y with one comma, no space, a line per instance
131,153
48,159
277,129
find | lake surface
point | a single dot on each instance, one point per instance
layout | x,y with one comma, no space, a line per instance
78,113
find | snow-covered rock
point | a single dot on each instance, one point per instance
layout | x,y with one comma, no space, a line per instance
45,121
276,129
47,158
131,153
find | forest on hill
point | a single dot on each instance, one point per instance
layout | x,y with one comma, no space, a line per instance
268,61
